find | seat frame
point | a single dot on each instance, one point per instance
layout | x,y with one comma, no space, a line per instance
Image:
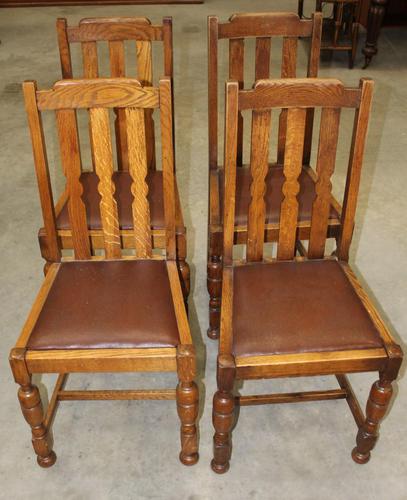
65,97
297,95
264,27
115,31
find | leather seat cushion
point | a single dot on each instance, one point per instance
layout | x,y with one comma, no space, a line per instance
274,196
107,304
296,307
123,197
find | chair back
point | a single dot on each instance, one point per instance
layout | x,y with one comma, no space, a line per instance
263,27
296,96
116,31
99,96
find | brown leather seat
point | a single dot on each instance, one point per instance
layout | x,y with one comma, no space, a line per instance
296,307
124,199
274,196
107,304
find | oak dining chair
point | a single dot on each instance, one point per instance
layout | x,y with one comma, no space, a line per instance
120,34
264,28
288,316
115,312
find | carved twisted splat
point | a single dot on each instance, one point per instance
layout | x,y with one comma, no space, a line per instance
145,76
288,70
379,398
71,164
118,70
223,414
31,407
292,169
187,403
100,130
259,168
90,70
328,140
139,187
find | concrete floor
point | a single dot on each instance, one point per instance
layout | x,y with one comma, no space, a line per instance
130,449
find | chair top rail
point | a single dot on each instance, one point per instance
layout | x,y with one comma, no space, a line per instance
113,20
110,29
100,92
299,93
265,24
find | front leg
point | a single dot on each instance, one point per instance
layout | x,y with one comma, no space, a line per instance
223,414
378,402
187,404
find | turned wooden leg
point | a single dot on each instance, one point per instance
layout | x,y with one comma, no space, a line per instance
377,404
187,404
214,283
223,414
374,23
379,398
31,407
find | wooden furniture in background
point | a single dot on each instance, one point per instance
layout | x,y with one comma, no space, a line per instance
263,27
50,3
116,31
110,313
341,30
376,13
288,316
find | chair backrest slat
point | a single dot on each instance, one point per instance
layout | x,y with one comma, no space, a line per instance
259,167
289,63
139,188
296,96
263,27
102,150
90,60
236,72
262,58
71,164
288,70
292,169
100,97
328,140
145,76
117,59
